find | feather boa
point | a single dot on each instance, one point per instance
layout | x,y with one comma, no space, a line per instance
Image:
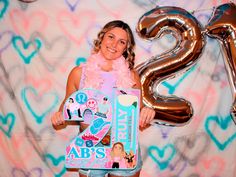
120,69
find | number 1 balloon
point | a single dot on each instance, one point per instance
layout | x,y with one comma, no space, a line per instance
170,110
222,25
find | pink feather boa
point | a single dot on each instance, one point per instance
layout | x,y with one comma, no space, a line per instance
92,69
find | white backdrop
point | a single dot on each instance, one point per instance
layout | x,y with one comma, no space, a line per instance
41,42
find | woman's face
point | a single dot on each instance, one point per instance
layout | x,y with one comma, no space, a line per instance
114,43
117,149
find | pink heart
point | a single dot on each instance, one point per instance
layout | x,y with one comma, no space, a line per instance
25,23
201,105
9,147
210,166
74,25
52,52
44,85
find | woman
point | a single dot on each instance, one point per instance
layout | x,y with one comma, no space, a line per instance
110,65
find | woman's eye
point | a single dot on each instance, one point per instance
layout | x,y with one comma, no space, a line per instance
123,42
110,36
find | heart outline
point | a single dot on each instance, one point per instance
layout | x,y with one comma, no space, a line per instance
26,59
4,9
56,162
162,165
223,123
38,118
4,120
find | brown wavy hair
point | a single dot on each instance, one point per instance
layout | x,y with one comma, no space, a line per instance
128,54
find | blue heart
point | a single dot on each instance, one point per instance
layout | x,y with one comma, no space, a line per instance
80,60
39,118
163,164
9,117
26,45
56,162
223,123
173,87
4,9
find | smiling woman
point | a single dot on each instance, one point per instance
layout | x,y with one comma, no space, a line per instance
109,66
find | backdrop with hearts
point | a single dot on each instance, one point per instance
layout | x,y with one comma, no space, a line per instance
41,41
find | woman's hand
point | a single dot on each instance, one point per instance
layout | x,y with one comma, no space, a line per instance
57,119
146,116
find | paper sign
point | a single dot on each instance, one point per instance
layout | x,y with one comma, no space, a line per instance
111,139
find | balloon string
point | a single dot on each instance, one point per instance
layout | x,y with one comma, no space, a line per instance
200,10
208,9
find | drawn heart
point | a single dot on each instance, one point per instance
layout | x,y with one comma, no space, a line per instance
39,106
24,23
198,144
72,5
23,47
74,25
9,146
162,156
5,40
41,140
211,166
7,123
42,84
56,162
3,7
202,106
52,52
34,172
11,79
222,130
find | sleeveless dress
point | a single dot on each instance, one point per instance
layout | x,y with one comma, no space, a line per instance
109,82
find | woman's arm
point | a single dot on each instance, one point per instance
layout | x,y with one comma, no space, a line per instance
72,85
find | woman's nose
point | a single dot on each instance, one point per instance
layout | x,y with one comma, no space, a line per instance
114,43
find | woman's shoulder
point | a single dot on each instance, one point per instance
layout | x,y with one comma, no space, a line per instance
77,70
75,73
75,76
134,74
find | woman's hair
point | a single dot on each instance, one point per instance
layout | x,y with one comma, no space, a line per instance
71,99
121,144
128,54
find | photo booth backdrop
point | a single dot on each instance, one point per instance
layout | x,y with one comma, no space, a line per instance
42,41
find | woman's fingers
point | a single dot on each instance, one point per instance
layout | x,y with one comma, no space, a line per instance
57,119
146,116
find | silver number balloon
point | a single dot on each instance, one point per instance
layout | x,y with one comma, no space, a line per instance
170,110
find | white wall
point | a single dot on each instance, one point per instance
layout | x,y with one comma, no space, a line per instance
33,84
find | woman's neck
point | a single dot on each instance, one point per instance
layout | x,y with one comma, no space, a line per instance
107,66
